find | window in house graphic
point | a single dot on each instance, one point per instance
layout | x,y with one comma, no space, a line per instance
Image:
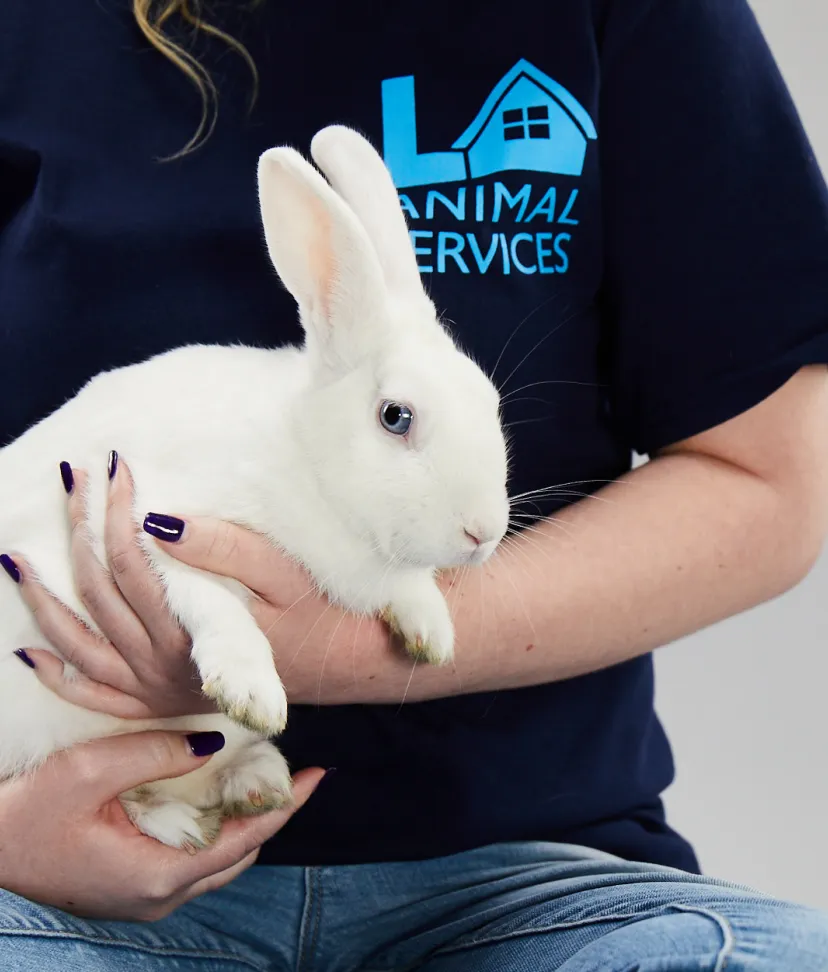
531,122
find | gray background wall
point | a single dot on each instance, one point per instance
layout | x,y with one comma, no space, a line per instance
746,703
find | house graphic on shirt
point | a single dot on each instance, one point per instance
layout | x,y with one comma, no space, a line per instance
528,122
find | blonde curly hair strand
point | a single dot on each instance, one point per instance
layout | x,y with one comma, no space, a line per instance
153,18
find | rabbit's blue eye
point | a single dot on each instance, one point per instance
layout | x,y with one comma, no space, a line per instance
395,418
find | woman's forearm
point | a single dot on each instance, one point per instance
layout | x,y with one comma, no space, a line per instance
717,524
674,546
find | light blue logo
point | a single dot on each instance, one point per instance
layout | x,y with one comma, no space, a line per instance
528,123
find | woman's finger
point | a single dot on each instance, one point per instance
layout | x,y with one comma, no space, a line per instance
82,691
231,551
216,881
240,838
96,588
76,643
131,572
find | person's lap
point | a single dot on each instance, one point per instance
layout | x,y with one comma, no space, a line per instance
538,907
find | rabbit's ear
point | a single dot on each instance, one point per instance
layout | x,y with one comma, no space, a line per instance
322,254
360,176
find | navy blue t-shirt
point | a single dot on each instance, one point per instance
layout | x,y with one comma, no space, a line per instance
612,199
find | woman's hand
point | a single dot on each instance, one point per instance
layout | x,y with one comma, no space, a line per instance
149,674
141,667
67,841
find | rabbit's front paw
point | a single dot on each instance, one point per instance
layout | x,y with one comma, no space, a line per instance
172,821
241,679
258,782
420,616
258,703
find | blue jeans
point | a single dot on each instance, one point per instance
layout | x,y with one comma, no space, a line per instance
507,908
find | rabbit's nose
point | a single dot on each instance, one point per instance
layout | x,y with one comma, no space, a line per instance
479,535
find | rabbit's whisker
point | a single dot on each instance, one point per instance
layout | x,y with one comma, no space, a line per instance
528,317
534,348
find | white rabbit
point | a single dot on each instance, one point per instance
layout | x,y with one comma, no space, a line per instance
373,454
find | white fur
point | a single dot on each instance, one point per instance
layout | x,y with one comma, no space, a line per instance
286,442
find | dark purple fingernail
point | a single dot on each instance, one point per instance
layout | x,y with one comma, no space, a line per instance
67,477
325,782
22,654
163,527
205,743
10,568
112,465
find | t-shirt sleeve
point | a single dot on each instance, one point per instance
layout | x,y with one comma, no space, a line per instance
715,220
